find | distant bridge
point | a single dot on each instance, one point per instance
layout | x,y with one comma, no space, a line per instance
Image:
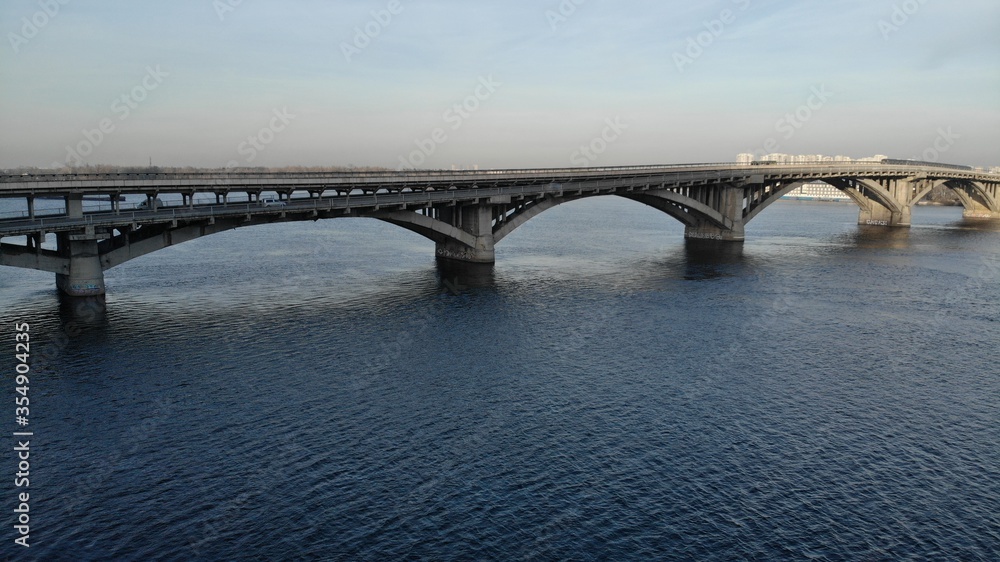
464,212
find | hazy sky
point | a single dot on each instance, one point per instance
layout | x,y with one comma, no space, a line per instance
269,83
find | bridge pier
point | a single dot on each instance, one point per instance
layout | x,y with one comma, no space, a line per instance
74,205
877,215
86,274
729,204
886,201
980,214
976,210
476,220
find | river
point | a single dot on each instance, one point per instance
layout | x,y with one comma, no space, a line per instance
319,390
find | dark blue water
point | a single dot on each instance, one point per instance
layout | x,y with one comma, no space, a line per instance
320,391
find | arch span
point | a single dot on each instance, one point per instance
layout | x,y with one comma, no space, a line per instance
978,199
471,232
436,230
133,244
775,196
688,211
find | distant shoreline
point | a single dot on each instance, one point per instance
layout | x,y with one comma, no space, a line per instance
848,201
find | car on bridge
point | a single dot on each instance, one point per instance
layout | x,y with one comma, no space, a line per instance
271,202
150,204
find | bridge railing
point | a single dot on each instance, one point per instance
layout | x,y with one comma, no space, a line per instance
91,206
351,174
13,227
230,209
346,174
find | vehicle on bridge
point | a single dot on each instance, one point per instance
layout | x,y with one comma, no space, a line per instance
150,204
271,202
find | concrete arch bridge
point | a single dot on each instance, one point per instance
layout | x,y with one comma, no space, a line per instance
466,213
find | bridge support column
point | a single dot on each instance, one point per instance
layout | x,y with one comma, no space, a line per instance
730,205
877,215
976,210
477,220
74,205
86,275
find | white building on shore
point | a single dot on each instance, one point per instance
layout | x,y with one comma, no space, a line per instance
781,158
817,191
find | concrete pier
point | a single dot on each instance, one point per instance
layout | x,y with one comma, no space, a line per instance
877,215
476,220
86,275
728,201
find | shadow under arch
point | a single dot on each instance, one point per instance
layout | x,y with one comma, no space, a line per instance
687,211
855,192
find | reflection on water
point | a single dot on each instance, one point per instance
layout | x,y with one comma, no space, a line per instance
83,312
977,225
711,259
980,224
456,277
873,237
712,251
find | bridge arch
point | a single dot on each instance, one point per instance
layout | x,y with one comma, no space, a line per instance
132,243
865,192
879,201
436,230
471,236
689,211
775,196
529,211
977,198
685,209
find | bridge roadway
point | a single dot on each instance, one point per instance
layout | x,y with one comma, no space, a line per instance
464,212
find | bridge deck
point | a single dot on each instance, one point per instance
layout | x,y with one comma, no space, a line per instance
295,206
254,182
